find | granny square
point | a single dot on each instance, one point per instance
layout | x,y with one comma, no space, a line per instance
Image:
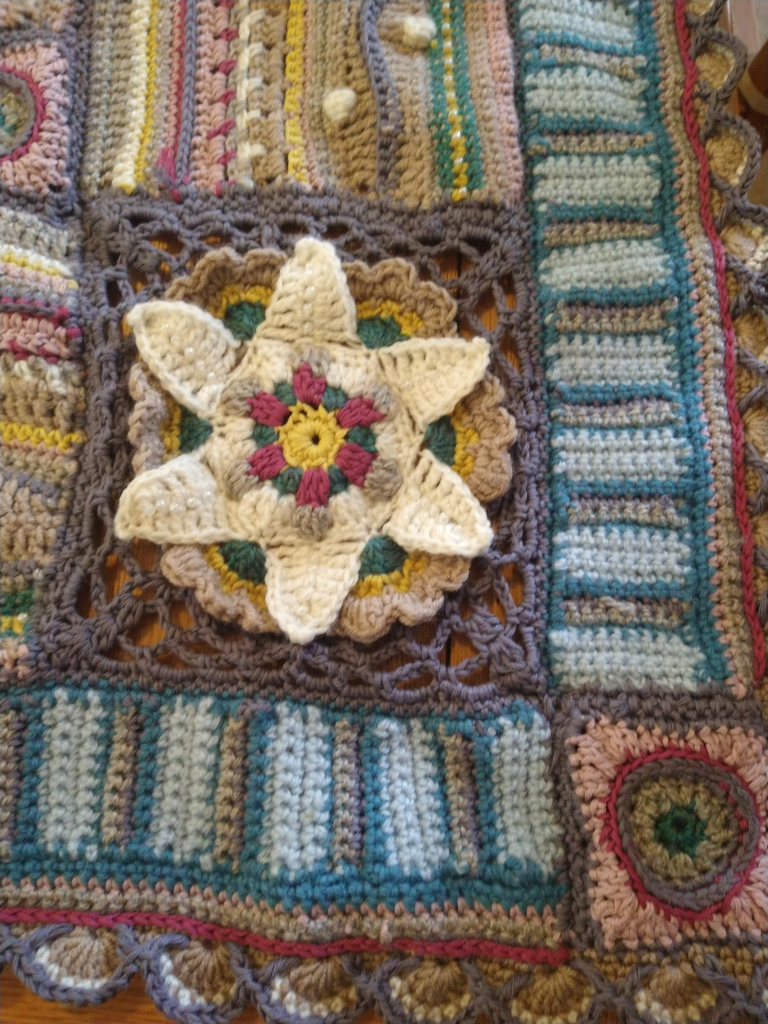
384,557
668,809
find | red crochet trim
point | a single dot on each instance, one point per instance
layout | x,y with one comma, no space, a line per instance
453,948
612,837
737,430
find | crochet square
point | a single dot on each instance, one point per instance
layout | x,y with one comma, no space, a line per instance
35,104
667,805
131,255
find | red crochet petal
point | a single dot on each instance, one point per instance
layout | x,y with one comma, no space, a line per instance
268,410
307,387
358,412
354,462
267,462
314,488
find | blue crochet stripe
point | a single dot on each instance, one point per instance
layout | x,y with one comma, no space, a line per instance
693,489
513,882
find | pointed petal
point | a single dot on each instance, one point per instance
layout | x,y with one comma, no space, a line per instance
308,579
189,351
311,301
358,412
176,503
431,375
436,512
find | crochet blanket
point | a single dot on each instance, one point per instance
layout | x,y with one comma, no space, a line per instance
384,539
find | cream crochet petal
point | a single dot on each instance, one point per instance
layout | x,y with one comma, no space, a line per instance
436,512
176,503
431,375
308,579
311,301
189,351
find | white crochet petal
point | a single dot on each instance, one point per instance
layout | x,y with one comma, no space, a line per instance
431,375
190,352
436,512
311,301
308,579
176,503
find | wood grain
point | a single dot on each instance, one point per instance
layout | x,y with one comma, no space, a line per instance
132,1006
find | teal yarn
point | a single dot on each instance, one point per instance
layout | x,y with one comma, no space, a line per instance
242,318
381,556
247,560
193,431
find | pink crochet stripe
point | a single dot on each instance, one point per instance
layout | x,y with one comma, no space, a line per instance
169,152
503,72
737,430
612,835
452,948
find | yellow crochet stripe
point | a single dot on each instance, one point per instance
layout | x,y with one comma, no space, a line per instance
294,72
230,581
400,580
231,294
149,105
38,435
169,432
43,268
458,146
11,624
408,322
463,461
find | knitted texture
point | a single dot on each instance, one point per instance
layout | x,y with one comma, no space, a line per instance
383,511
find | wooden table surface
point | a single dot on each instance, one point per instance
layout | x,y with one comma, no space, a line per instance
20,1006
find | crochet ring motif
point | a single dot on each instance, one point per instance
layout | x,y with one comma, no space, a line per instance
323,451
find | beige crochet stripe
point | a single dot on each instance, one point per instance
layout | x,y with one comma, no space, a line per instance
351,143
417,181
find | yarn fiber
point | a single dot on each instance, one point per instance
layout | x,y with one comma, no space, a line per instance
383,489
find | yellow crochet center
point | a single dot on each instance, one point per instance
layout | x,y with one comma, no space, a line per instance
458,146
311,437
463,460
230,581
9,623
169,432
38,435
372,586
408,322
294,73
231,294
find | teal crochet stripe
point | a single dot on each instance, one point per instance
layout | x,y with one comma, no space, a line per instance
595,288
286,833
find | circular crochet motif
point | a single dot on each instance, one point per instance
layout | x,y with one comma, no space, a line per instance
312,440
18,113
687,831
313,445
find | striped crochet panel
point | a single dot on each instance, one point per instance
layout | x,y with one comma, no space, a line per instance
633,363
286,802
417,103
43,410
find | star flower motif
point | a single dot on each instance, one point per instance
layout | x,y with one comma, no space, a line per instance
317,441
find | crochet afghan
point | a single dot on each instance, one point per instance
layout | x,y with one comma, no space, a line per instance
384,543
